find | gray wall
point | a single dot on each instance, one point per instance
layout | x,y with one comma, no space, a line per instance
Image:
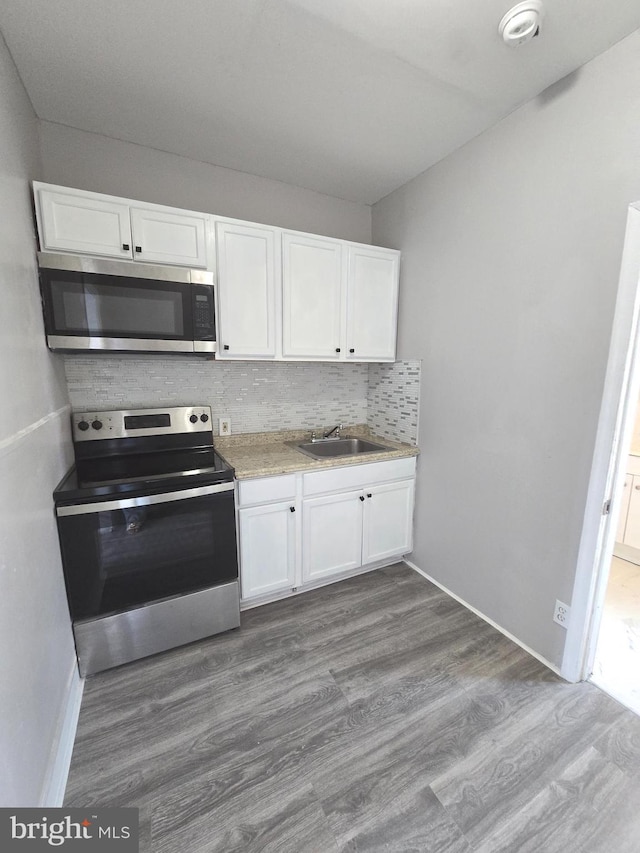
93,162
38,658
511,254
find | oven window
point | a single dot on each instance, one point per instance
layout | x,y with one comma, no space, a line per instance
124,558
112,306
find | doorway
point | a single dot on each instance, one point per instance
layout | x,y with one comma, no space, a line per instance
616,667
593,604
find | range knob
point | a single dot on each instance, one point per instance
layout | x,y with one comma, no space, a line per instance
97,424
83,425
193,419
204,418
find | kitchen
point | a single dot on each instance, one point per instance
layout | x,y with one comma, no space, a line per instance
501,479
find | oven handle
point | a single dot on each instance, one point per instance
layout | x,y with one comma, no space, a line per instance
146,500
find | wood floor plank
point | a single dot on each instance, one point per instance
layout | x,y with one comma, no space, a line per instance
406,821
376,714
621,744
489,786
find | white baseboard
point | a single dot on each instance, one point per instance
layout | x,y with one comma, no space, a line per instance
486,619
56,779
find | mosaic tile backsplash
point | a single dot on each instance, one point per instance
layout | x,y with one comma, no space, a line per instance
257,397
393,400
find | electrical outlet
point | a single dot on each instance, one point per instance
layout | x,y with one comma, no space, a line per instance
561,613
224,426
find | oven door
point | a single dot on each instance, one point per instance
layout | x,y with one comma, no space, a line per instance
102,311
122,554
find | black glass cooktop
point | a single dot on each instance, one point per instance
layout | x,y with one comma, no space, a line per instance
143,472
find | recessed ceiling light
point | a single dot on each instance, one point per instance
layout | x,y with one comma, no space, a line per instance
522,23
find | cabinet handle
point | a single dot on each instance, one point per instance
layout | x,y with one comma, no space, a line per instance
369,495
292,508
352,350
636,487
126,247
225,346
138,248
337,349
361,497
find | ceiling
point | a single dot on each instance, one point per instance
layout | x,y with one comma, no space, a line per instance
348,97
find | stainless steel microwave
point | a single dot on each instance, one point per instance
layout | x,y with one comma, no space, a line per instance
96,304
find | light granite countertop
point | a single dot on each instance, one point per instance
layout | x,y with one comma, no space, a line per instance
265,454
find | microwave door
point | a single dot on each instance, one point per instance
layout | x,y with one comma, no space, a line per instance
98,312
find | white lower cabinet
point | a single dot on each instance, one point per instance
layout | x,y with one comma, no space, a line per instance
352,529
267,548
352,517
632,529
332,535
387,526
625,498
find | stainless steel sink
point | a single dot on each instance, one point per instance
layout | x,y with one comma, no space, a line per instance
331,448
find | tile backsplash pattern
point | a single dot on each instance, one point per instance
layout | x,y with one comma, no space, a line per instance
258,397
394,400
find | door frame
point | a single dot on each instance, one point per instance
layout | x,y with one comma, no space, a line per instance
615,426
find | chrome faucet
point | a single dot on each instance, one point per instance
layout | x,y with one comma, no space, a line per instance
335,429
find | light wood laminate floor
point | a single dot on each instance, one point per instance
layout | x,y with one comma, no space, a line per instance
376,714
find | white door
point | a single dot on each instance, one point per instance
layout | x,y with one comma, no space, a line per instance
331,535
312,297
79,223
164,237
388,521
624,497
372,304
267,548
246,291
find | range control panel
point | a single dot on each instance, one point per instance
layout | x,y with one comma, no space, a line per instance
91,426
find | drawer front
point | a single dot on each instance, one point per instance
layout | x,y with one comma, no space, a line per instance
357,476
266,489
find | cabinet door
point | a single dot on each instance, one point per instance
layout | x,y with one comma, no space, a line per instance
246,291
331,535
267,548
632,530
388,521
165,237
80,223
623,501
312,297
372,304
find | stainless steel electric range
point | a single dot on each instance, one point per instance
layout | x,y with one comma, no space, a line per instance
147,531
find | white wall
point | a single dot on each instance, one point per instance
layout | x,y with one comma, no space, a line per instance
37,668
511,254
90,161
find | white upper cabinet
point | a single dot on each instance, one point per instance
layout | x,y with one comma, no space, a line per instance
166,237
94,224
281,294
312,297
340,300
77,222
246,291
372,304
